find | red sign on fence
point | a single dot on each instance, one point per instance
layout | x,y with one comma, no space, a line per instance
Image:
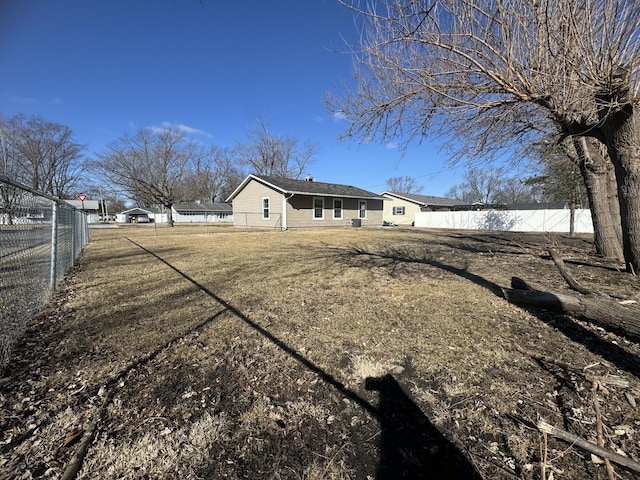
81,196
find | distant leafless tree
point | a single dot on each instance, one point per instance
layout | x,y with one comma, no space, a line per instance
11,163
150,166
210,176
233,179
556,174
405,184
42,154
479,186
264,153
11,168
515,190
497,70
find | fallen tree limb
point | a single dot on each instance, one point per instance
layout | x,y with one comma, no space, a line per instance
544,358
590,447
564,272
76,460
600,429
604,312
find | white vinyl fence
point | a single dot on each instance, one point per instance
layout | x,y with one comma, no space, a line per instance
508,220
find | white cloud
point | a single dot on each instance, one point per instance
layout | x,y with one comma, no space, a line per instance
164,126
339,116
391,145
23,99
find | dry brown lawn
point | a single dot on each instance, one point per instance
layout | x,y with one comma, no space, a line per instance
212,352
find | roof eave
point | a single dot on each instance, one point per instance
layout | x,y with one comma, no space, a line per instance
406,199
336,195
250,177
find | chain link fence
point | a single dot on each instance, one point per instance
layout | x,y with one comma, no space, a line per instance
253,219
40,238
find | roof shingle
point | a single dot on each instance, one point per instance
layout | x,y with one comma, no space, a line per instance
202,207
426,199
304,187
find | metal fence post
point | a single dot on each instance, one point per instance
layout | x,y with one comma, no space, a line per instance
40,238
54,246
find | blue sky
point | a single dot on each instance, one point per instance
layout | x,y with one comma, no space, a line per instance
109,67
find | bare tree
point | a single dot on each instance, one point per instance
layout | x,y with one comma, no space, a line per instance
515,190
266,154
10,161
503,66
479,186
233,179
597,171
210,176
9,167
150,166
41,154
578,170
405,184
556,174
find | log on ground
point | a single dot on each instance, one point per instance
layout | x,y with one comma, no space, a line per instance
604,312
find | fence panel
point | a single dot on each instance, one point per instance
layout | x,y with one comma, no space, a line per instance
40,239
507,220
256,219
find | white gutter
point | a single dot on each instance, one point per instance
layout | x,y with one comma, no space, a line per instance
284,210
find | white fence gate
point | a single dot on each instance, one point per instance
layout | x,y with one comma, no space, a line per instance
508,220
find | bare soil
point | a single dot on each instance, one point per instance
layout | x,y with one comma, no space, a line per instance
201,352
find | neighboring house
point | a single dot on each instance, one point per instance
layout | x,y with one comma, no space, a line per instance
273,202
132,215
90,207
402,207
202,212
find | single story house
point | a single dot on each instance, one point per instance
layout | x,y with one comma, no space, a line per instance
274,202
133,214
201,212
401,208
90,207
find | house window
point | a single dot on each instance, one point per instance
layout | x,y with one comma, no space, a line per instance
265,208
318,208
362,209
337,209
398,210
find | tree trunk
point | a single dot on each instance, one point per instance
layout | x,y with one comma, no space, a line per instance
169,215
614,201
620,132
572,217
596,172
601,311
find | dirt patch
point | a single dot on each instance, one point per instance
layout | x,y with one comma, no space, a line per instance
342,354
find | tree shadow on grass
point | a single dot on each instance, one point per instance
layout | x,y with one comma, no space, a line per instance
411,447
392,257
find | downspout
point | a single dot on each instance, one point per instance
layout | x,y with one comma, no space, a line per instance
285,199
